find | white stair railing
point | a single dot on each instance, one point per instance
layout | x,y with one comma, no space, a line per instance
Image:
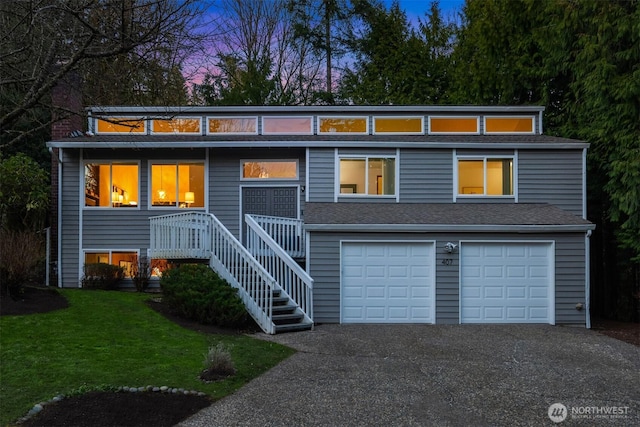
293,280
287,232
201,235
180,236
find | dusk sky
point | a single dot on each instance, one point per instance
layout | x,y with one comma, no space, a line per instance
417,8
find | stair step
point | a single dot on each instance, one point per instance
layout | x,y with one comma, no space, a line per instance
280,301
282,309
292,327
287,318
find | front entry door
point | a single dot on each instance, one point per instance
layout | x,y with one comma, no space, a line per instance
270,201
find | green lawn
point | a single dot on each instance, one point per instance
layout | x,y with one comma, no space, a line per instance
109,339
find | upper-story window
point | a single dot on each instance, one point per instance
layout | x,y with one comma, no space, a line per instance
398,125
269,169
485,176
111,184
177,125
232,125
357,125
118,125
177,184
298,125
368,175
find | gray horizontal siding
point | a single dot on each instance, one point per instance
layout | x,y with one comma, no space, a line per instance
69,232
426,176
321,175
324,267
553,177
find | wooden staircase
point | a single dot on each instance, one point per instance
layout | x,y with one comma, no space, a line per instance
286,316
276,291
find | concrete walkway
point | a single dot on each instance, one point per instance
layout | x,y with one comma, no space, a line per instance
439,375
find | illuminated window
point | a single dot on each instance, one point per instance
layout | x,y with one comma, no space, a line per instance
188,125
508,124
179,185
368,176
343,125
121,125
398,125
485,176
238,125
286,125
128,261
460,125
269,169
111,185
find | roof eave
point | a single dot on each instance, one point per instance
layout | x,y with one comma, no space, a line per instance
452,228
315,144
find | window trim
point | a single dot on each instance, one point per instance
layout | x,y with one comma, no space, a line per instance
176,163
366,158
374,132
310,132
208,132
366,121
153,132
111,163
533,124
242,178
456,176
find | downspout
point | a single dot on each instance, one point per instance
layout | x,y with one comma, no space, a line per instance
587,245
587,279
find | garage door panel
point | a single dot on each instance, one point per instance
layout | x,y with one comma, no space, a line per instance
516,251
395,280
506,282
398,271
514,292
398,292
374,272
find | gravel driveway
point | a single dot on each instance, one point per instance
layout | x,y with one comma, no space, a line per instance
425,375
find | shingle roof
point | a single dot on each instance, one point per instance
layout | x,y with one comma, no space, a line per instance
441,215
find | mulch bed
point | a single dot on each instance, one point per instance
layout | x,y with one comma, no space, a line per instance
107,409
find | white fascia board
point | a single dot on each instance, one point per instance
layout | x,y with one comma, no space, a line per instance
320,109
449,228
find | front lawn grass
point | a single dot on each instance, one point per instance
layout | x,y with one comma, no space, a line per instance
109,338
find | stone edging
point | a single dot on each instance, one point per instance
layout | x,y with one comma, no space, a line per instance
163,389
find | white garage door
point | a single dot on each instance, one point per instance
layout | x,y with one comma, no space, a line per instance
506,283
388,282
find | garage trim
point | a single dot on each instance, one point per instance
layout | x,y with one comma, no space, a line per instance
432,273
552,275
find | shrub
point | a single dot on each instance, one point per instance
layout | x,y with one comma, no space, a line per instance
217,363
102,276
141,273
22,254
197,293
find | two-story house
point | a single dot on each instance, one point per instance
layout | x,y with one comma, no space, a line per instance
350,214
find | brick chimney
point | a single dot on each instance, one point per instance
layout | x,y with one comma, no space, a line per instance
66,101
